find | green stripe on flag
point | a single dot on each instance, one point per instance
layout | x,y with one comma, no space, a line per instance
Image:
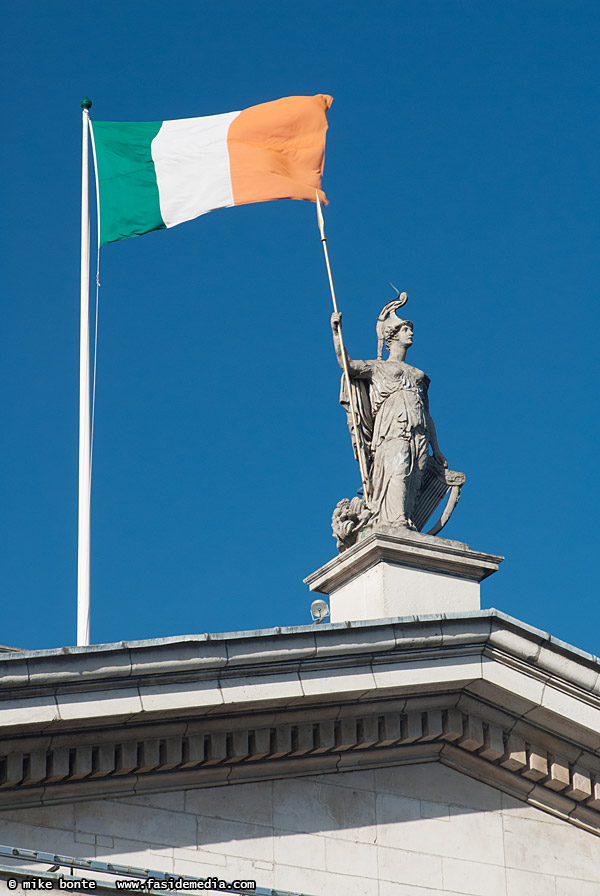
129,201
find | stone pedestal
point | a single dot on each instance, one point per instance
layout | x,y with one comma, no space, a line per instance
387,575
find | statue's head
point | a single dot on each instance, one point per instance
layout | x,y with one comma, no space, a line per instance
390,327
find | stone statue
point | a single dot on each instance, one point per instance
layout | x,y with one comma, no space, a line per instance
395,433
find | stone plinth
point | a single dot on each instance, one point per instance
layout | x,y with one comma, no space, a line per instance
387,575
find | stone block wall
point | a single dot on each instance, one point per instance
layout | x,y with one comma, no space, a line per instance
413,830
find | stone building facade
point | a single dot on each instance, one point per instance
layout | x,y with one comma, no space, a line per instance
410,756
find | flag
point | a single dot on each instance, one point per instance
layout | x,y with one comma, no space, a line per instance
156,174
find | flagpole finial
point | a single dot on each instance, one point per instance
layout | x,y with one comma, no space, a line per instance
86,103
320,220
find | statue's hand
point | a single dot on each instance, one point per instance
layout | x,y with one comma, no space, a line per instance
336,321
440,458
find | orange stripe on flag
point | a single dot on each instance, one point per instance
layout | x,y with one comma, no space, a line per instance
276,149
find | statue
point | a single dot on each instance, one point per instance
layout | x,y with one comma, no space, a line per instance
395,431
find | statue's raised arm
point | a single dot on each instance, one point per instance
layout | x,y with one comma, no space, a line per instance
357,369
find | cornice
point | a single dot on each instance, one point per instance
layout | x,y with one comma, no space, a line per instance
506,753
210,656
481,692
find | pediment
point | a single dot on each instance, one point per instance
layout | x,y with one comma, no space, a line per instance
422,826
480,694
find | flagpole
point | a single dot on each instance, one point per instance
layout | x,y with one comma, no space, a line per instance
359,451
83,538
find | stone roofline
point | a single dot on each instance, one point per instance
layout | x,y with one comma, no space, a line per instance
480,692
296,644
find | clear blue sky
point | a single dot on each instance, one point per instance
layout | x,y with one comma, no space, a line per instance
462,164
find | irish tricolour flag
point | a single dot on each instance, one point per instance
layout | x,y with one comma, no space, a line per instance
156,174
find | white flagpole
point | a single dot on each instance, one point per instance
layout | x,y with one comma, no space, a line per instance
362,464
83,544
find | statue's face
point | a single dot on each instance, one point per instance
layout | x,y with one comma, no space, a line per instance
405,335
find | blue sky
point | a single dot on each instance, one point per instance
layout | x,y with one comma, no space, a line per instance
461,164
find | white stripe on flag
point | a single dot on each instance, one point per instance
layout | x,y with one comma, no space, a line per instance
192,167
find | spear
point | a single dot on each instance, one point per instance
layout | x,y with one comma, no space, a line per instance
358,440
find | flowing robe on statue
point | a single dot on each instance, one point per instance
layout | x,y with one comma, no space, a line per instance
391,404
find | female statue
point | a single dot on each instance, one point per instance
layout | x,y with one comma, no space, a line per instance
395,428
